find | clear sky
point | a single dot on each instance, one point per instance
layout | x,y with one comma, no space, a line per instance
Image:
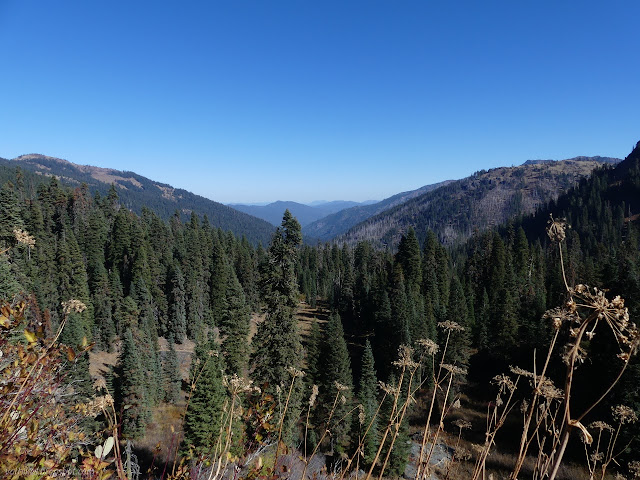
248,101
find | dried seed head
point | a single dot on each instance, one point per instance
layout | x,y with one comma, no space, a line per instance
361,414
430,347
405,353
520,372
556,229
504,382
239,384
294,372
612,312
451,326
634,468
22,236
388,389
596,457
548,390
462,424
624,414
73,306
314,395
598,425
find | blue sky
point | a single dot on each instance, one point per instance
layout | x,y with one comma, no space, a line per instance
249,101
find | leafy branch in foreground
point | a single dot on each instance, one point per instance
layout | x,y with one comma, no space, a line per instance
40,428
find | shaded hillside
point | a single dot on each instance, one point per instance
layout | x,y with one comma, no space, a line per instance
337,223
487,198
598,209
136,192
305,214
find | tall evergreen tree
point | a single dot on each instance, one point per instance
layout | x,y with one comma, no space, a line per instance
202,420
172,375
10,217
458,350
410,259
277,343
368,396
336,381
313,354
234,326
177,327
130,389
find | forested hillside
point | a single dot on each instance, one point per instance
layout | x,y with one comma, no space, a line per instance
136,192
334,224
486,199
434,324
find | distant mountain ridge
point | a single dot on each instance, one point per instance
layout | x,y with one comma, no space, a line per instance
487,198
596,158
305,214
340,222
136,192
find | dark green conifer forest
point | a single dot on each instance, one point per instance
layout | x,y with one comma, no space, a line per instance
148,282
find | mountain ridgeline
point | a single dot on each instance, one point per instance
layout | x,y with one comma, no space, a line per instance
305,214
136,192
457,210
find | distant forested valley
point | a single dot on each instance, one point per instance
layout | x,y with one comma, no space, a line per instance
400,344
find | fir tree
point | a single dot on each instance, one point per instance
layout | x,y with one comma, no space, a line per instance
458,351
177,327
9,287
172,375
277,344
313,354
10,217
410,260
235,327
130,389
367,394
203,418
335,378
